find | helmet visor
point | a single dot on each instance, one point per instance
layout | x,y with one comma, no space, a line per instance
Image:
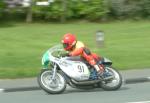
65,45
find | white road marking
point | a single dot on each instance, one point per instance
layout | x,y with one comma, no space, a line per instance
140,102
148,77
1,90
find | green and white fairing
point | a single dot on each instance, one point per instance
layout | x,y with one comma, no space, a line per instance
45,60
46,57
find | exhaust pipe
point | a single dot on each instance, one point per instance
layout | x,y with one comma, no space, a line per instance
86,82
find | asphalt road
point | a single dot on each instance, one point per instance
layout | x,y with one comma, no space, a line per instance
130,93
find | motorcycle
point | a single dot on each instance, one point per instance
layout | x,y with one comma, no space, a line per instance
75,72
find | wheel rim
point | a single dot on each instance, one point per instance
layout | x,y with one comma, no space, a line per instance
115,81
52,85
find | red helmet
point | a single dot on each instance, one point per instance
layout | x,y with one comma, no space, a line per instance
69,41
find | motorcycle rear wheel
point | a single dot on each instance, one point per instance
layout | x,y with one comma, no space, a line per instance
114,83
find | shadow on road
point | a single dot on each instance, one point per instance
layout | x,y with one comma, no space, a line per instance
67,91
70,91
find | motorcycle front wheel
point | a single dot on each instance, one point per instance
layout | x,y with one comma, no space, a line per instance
56,86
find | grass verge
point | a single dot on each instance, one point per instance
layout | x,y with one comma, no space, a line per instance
127,44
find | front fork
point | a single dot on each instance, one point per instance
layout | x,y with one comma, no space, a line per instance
54,72
52,81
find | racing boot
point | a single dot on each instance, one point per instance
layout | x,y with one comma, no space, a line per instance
107,75
102,73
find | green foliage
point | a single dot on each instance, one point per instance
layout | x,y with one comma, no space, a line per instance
2,7
76,9
145,5
96,10
54,11
51,12
129,8
92,10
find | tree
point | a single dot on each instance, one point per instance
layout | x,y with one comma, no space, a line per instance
2,7
29,4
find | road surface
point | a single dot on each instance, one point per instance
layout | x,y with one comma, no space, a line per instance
129,93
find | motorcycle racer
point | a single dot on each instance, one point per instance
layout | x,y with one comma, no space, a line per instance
59,71
77,48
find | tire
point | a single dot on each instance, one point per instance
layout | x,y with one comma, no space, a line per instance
117,80
44,79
